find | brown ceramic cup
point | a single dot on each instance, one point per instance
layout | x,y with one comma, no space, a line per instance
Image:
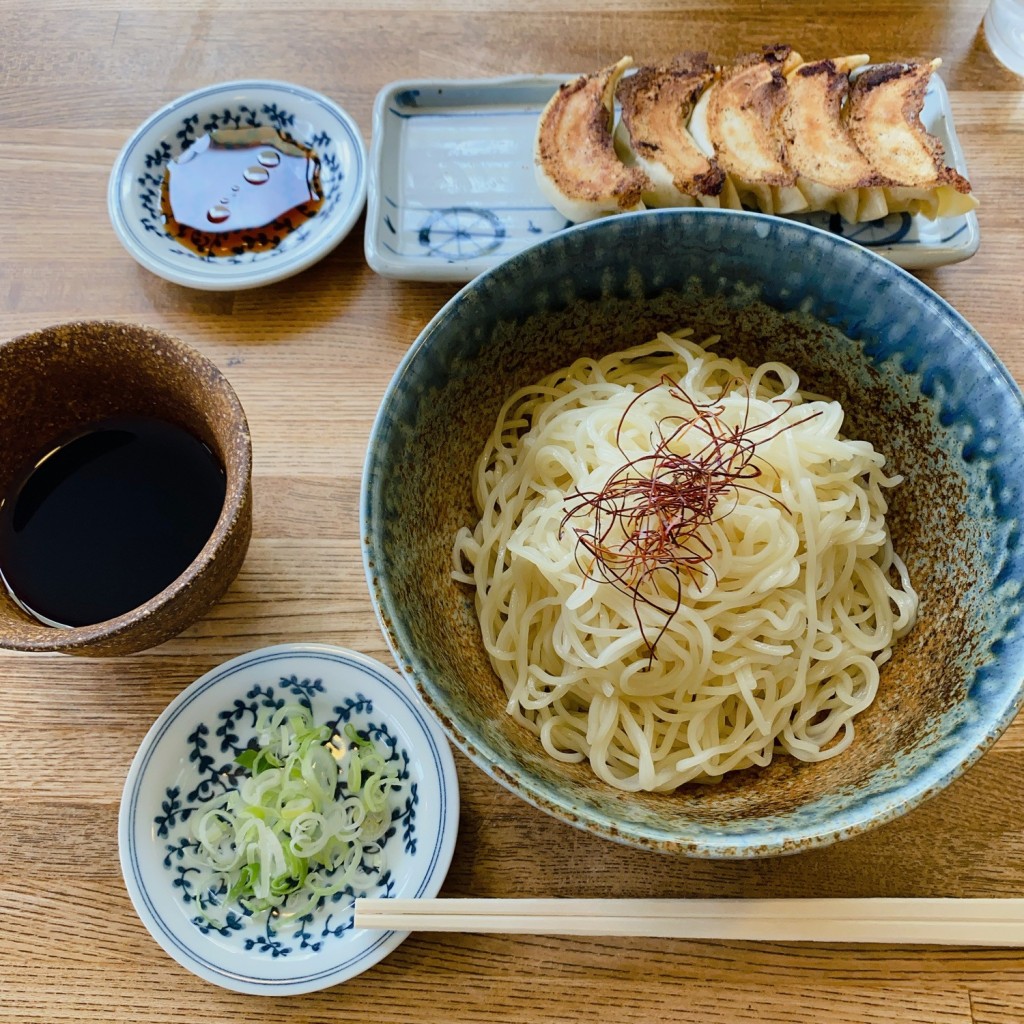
70,375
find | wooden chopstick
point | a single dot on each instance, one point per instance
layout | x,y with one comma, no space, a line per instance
931,921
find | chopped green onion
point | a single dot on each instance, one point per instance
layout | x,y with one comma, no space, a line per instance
296,828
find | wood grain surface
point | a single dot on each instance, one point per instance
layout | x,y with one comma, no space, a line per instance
310,359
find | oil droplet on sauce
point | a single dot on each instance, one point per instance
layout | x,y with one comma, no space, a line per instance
256,175
240,190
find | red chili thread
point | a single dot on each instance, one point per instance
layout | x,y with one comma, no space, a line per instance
647,519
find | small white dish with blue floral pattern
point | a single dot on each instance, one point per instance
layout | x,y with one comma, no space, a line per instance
310,119
188,757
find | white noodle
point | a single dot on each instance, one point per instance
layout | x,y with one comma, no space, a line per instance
777,646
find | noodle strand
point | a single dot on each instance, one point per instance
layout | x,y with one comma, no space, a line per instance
776,646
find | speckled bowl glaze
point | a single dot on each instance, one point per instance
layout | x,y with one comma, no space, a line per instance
914,378
70,375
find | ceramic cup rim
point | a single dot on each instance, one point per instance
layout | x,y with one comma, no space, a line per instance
237,496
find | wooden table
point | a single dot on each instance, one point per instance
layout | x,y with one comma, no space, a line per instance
310,359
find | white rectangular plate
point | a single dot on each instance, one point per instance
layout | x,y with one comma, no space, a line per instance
452,189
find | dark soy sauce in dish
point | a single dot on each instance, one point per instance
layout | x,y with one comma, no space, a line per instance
239,190
107,519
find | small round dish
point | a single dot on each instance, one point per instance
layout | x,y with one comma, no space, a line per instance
133,194
189,753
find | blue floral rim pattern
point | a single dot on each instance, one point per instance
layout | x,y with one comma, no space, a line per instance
218,776
134,190
156,807
265,115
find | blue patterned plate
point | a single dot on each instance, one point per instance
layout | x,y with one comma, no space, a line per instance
188,757
452,190
133,194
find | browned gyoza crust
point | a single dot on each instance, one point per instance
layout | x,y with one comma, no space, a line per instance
656,103
575,148
744,114
884,118
819,146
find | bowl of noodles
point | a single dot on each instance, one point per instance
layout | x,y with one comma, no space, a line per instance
698,530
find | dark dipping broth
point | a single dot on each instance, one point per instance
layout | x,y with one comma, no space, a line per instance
239,190
107,519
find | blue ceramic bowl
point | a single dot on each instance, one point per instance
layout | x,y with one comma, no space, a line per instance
914,378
